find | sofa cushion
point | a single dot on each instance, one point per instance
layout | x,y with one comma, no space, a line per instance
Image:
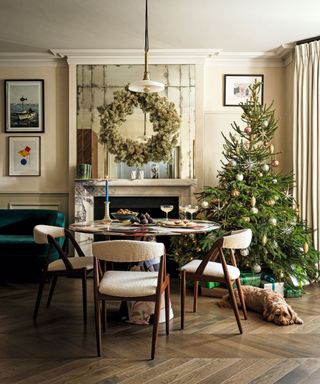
16,239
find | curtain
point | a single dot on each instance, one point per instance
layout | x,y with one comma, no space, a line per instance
306,136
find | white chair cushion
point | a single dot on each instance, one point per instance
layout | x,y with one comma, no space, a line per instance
40,233
212,269
128,283
76,262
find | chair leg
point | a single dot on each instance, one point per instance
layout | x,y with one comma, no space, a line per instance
155,325
98,324
183,296
103,316
195,295
84,295
52,287
167,300
39,295
234,304
242,301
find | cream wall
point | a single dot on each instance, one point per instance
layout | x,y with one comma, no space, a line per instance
51,188
58,143
218,118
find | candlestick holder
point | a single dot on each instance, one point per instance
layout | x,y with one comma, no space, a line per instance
106,218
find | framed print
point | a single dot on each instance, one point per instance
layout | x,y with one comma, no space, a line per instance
24,106
24,155
236,88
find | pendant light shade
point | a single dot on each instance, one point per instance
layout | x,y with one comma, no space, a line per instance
146,85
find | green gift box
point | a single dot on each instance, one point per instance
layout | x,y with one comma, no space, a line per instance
250,278
293,293
209,284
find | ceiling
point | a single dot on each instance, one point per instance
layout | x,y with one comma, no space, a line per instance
230,25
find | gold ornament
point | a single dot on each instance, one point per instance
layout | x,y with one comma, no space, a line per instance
248,130
253,201
270,202
271,148
281,274
246,219
266,143
264,240
260,174
305,247
235,193
275,163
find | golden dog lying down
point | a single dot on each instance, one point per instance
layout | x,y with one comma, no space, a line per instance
271,304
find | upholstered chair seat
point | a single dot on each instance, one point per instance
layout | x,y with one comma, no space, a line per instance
212,269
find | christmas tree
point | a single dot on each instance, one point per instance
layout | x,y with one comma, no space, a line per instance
252,194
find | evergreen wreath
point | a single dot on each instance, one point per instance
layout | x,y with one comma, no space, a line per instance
163,116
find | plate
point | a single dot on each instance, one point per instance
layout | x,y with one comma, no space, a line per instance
144,225
172,224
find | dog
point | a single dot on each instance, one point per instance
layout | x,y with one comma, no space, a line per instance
271,304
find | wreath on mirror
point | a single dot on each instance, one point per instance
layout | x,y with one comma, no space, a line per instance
163,116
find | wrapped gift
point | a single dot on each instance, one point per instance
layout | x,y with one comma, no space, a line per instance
250,278
209,284
276,287
289,292
267,277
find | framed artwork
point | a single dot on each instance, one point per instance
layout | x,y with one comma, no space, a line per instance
24,106
236,88
24,155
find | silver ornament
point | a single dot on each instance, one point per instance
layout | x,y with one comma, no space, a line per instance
232,163
273,221
204,204
244,252
254,210
265,167
239,176
274,181
256,268
265,123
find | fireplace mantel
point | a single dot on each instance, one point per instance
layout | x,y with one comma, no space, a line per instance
86,190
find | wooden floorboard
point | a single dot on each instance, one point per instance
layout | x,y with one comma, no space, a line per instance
58,348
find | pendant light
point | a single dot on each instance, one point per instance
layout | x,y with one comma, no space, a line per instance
146,85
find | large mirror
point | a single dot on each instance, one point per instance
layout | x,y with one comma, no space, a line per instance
96,85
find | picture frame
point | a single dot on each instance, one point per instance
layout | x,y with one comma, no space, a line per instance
24,156
236,88
24,106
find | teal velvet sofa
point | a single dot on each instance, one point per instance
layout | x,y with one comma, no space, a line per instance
21,259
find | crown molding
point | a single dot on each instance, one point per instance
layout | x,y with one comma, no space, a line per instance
29,59
279,57
135,56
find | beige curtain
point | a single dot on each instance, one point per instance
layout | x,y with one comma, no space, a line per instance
306,137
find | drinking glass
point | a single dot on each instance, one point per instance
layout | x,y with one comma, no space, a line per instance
183,210
166,208
192,209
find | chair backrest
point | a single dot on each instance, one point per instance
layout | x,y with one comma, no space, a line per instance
237,239
127,250
47,234
41,232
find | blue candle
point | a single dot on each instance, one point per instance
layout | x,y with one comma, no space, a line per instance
107,190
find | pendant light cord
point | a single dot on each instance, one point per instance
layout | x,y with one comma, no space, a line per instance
146,36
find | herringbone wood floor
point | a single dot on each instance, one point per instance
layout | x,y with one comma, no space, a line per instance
58,349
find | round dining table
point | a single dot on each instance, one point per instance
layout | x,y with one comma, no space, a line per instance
149,232
161,227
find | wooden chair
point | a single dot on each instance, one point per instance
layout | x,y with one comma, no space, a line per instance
130,285
209,270
64,266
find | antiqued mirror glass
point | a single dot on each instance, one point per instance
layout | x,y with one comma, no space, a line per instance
96,85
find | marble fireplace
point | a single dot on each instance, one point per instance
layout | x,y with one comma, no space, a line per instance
181,191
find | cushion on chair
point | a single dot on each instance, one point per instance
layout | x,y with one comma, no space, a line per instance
129,284
212,269
76,262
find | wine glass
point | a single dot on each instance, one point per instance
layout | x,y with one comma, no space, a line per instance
183,210
166,208
192,209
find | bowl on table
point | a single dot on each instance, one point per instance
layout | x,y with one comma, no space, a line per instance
124,216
